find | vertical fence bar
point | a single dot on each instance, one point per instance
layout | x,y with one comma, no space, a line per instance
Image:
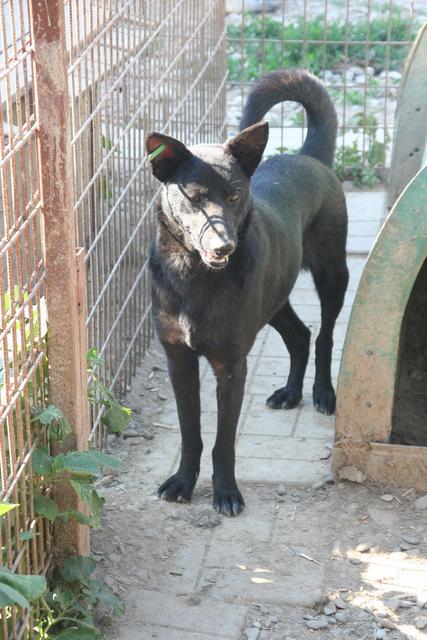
65,295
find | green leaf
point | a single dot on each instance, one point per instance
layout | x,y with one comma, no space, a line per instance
105,595
92,358
9,596
104,459
78,516
87,493
57,424
42,462
81,633
46,507
26,535
48,415
81,463
77,568
116,418
6,506
29,587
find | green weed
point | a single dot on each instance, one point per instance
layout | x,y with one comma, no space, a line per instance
268,44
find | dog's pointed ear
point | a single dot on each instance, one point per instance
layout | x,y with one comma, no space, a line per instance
165,154
248,146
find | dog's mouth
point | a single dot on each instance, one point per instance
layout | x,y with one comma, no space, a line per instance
213,261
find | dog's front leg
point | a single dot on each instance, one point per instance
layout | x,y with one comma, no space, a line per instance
183,365
231,377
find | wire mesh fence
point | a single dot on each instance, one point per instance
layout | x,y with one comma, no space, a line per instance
357,48
24,538
134,66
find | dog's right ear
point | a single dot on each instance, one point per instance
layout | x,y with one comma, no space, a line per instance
165,155
248,146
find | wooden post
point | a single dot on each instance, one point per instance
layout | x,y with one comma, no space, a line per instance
64,288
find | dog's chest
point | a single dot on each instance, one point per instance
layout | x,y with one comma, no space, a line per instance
201,333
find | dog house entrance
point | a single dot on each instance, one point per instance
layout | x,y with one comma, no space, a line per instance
409,422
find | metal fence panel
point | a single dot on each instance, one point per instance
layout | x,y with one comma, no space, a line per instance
135,66
22,311
357,48
132,65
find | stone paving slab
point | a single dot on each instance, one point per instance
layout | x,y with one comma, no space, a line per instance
172,613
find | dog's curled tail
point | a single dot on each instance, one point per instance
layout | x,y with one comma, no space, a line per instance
300,86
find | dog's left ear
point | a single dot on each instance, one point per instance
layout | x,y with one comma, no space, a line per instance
165,154
248,146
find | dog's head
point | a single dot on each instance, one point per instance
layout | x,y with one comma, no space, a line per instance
206,192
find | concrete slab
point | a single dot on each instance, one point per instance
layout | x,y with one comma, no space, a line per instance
211,618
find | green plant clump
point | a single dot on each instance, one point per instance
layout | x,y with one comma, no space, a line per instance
62,606
268,44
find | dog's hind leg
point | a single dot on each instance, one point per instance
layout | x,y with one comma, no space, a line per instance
331,284
183,365
296,337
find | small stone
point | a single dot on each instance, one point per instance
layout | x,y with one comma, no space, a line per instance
131,433
281,490
363,547
421,622
405,546
161,396
330,609
273,620
340,603
341,616
332,620
351,473
355,561
422,601
410,538
317,624
265,611
307,616
329,479
392,604
251,633
387,624
421,503
405,604
380,634
387,497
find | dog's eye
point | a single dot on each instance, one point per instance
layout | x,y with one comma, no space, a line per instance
233,197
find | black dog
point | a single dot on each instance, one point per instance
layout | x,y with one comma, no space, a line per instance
232,237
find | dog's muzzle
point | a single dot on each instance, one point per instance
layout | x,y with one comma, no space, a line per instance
217,258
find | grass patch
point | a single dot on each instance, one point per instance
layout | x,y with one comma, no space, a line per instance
267,45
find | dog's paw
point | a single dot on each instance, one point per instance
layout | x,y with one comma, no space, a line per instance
284,398
324,399
177,489
229,502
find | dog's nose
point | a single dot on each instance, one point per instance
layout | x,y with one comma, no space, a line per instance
225,249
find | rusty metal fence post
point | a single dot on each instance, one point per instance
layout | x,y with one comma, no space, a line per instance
64,286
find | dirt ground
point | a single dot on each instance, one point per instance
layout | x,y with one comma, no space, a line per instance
329,560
